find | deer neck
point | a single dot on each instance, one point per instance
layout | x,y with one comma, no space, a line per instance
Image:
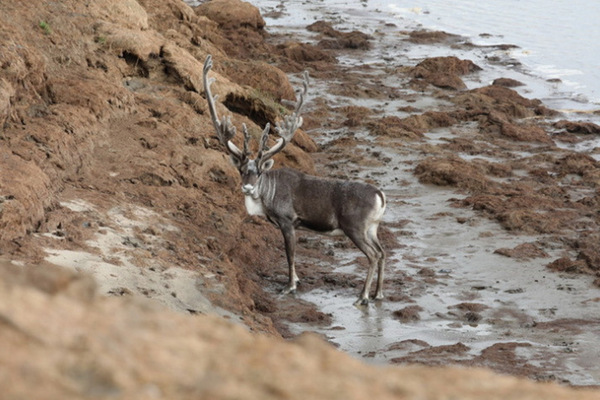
254,197
254,206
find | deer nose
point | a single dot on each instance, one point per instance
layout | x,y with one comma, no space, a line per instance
248,189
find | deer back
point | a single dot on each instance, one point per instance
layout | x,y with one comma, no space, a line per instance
316,203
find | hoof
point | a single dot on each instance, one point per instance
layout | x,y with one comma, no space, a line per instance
288,291
361,303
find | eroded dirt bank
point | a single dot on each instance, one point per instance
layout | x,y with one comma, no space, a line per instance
66,341
109,166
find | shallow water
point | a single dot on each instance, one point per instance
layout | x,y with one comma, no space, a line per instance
557,40
520,294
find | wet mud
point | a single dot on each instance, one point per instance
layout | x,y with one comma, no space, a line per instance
492,221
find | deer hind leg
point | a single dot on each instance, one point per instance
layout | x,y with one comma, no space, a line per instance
369,245
289,237
372,232
380,269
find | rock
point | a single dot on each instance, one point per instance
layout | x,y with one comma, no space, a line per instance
232,14
579,127
394,127
444,72
565,264
305,52
587,246
430,37
507,82
438,353
356,115
347,40
411,127
451,171
341,40
523,212
579,164
533,221
323,27
498,124
429,120
407,314
501,100
449,65
524,251
262,77
471,307
305,142
497,109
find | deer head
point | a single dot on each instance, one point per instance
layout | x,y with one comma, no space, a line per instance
251,169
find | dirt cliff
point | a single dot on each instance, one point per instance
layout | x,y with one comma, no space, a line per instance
103,103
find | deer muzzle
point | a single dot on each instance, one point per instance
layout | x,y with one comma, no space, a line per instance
249,190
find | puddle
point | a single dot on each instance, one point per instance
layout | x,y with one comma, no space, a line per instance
590,147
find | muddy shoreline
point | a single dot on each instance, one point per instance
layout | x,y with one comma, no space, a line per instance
476,162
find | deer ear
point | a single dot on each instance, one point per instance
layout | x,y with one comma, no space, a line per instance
267,165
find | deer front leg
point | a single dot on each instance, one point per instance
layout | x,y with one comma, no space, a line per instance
289,237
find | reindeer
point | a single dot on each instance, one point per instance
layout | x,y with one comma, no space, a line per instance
291,199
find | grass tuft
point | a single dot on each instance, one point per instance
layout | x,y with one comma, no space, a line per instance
45,27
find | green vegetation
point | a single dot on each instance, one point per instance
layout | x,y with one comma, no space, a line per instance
45,27
268,100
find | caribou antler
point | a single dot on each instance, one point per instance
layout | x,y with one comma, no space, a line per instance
285,129
224,129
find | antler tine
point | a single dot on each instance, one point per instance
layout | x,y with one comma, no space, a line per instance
209,96
262,147
224,129
291,123
286,128
246,148
305,82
